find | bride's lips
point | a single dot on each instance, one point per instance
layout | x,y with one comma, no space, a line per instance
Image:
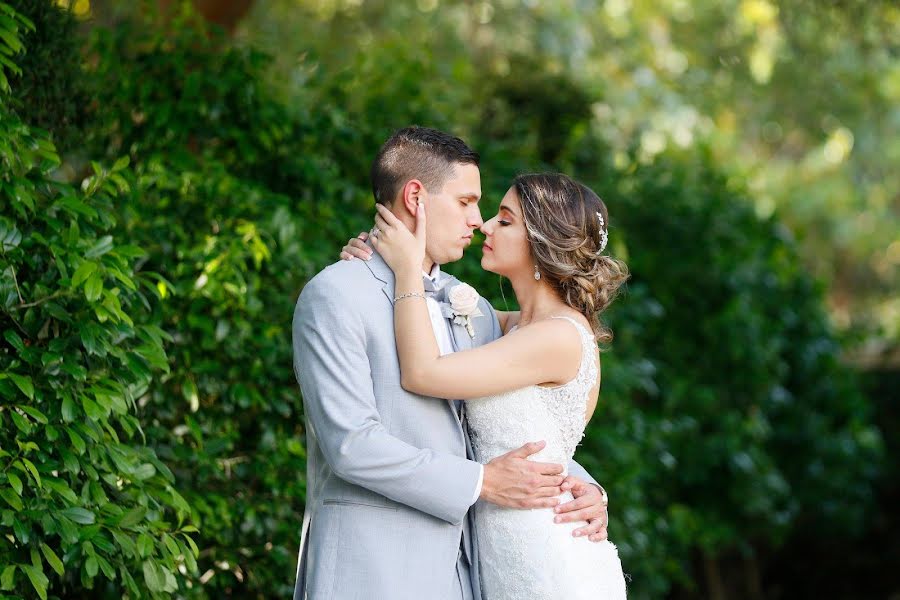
487,247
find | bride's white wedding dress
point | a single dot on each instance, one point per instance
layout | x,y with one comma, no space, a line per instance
523,553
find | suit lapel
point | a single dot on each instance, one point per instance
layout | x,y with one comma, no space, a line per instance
383,273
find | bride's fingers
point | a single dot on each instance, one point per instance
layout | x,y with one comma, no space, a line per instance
579,503
600,536
363,235
356,248
388,217
572,482
594,531
381,224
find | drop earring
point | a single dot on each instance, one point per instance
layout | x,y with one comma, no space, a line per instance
537,274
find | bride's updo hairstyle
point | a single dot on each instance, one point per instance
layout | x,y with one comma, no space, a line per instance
567,241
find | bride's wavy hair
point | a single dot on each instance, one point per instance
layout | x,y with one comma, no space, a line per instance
566,236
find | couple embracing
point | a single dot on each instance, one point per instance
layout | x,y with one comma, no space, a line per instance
440,432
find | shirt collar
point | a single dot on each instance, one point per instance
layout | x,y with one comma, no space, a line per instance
435,274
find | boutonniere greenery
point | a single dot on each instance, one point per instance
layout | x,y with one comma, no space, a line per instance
464,306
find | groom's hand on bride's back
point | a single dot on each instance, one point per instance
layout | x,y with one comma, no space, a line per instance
513,481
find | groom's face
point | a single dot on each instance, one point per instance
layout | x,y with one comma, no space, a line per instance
453,214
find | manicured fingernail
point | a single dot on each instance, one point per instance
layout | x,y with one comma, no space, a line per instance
577,534
557,520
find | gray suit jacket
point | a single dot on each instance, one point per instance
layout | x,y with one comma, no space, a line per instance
389,484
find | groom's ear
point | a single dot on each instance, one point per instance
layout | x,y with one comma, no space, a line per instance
413,191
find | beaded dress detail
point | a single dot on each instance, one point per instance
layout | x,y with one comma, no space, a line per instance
523,553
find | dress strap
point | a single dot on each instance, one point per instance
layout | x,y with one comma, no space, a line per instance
588,369
585,332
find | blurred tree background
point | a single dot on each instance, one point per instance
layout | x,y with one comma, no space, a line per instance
172,174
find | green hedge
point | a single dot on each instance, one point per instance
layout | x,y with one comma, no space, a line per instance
85,497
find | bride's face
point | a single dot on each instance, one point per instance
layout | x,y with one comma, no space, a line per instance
506,250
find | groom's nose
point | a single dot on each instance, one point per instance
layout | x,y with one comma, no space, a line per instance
474,219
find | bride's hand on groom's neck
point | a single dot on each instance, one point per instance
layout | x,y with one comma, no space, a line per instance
513,481
357,248
403,250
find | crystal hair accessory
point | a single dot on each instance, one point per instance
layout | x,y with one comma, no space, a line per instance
603,234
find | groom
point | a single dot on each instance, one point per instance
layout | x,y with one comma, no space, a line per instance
389,484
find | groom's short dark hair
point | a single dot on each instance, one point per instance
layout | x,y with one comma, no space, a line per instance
417,153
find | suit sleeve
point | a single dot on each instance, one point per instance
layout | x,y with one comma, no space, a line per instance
578,471
335,379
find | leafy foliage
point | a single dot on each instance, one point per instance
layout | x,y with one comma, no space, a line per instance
741,385
49,74
86,501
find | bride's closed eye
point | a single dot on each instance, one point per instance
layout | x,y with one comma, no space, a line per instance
504,223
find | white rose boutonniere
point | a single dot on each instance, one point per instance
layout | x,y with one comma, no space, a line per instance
464,305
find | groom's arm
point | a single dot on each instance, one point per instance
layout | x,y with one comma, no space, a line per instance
334,373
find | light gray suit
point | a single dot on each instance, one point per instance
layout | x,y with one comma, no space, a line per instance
388,482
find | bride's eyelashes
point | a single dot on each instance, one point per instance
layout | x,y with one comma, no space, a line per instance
504,223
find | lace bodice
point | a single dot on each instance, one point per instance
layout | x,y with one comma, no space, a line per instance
505,421
523,553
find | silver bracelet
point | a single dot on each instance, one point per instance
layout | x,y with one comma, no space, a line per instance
410,295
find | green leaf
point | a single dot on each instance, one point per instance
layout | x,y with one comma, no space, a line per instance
107,568
52,559
14,340
84,270
22,531
91,408
34,414
79,515
145,471
21,423
23,382
11,498
132,517
77,440
91,566
155,580
15,482
120,164
68,408
145,545
37,578
189,560
189,391
125,543
32,469
7,579
102,246
172,546
93,287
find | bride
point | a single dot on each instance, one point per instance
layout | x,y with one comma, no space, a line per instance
539,381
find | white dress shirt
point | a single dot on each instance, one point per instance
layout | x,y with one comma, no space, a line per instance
441,328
